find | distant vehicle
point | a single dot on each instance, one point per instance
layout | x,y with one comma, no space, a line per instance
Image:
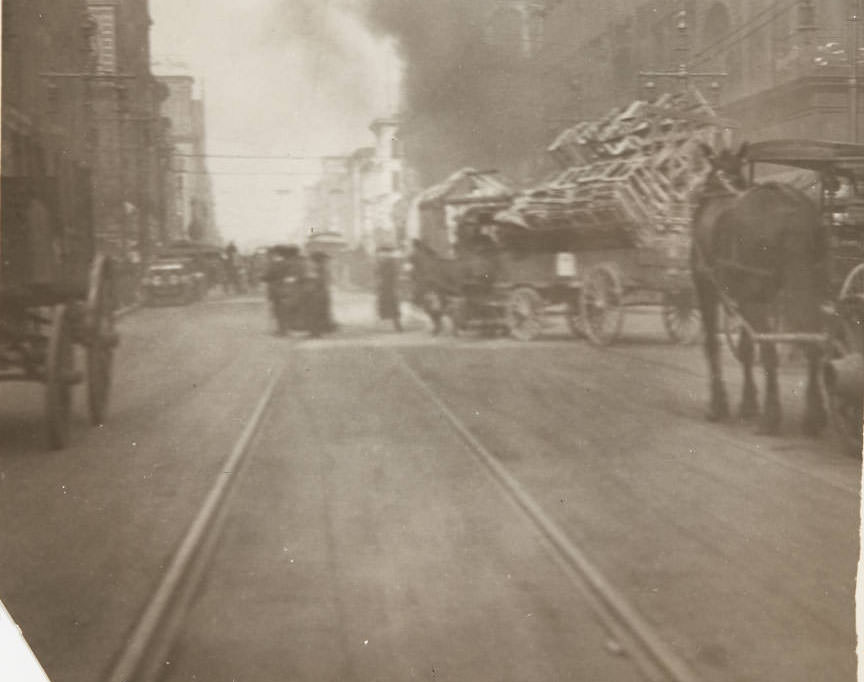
172,281
207,258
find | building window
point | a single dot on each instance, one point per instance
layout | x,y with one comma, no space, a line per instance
395,181
395,148
103,39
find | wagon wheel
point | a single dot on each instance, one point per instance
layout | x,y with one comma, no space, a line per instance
524,314
101,337
853,285
680,317
574,319
59,377
457,311
602,311
846,412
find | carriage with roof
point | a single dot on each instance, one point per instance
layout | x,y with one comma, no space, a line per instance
832,175
57,296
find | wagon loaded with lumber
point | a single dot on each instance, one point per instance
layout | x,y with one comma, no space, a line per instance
56,294
620,212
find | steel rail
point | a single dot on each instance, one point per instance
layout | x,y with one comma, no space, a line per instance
140,657
638,638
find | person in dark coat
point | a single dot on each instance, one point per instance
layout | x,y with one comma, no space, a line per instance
318,311
387,280
284,261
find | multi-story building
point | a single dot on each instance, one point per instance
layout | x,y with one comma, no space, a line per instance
129,157
360,196
382,190
47,136
189,210
516,72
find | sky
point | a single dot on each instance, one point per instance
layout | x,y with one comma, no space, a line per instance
280,77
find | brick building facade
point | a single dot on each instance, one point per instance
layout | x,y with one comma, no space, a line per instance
189,195
129,153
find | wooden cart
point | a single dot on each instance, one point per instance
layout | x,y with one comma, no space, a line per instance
56,293
620,259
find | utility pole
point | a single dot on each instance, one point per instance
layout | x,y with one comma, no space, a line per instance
682,76
854,12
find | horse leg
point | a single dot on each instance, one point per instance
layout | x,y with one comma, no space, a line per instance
772,413
749,395
707,296
815,415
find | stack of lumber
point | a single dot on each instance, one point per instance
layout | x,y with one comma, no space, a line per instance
632,173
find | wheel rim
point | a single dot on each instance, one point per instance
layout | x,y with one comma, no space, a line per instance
853,285
601,306
574,320
524,314
846,415
681,319
101,341
59,367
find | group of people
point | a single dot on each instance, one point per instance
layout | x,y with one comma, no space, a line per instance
298,289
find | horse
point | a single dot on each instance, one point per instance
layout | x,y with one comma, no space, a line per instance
436,280
761,249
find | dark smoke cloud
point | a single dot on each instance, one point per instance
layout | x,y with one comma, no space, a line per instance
458,100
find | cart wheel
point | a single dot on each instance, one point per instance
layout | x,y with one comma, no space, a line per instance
59,377
455,310
846,412
524,314
680,317
853,285
101,337
602,311
574,319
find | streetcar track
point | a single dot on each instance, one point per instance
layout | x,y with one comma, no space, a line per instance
153,633
638,637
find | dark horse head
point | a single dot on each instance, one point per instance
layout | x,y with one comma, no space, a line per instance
760,252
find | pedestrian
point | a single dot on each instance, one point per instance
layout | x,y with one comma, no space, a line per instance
387,280
284,261
229,261
317,302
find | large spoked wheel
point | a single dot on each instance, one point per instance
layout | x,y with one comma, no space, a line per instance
602,305
574,319
853,285
680,317
846,411
59,378
525,314
101,337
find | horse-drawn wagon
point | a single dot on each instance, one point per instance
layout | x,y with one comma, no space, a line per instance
621,209
56,293
832,175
